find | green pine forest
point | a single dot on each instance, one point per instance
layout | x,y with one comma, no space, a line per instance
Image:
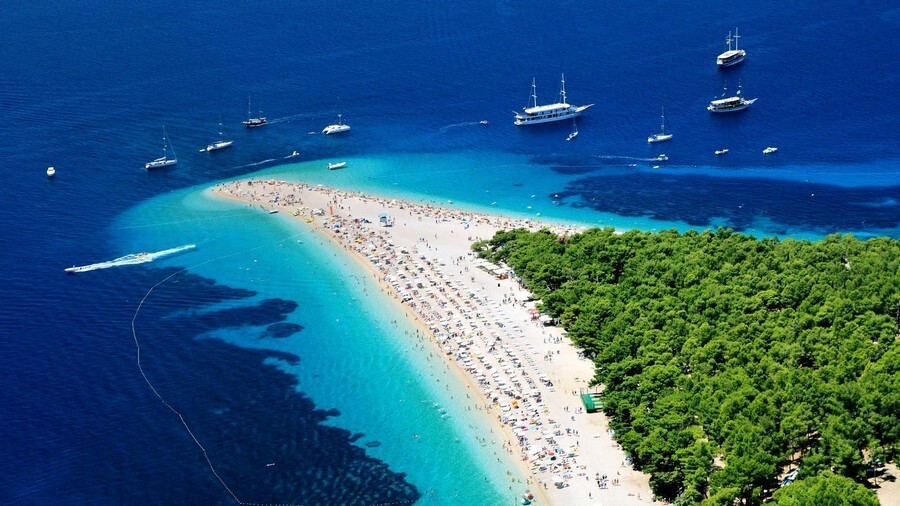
728,360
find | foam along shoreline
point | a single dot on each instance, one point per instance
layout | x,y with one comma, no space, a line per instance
525,375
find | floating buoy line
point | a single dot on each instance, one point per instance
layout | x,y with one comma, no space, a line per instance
156,392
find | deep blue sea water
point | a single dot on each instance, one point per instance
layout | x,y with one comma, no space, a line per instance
247,341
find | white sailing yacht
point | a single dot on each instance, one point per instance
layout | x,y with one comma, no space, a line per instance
222,142
164,160
574,130
550,112
662,135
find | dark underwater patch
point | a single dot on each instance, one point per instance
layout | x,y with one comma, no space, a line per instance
741,203
282,330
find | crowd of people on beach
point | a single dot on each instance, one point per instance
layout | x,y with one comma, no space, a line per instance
481,327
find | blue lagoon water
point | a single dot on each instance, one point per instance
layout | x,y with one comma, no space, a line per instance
278,349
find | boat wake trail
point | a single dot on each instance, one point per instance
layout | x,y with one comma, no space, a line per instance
132,259
625,157
292,117
254,164
457,125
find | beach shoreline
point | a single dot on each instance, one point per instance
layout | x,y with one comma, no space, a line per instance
479,322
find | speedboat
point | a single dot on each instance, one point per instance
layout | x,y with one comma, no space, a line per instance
338,165
731,56
484,122
730,104
273,211
769,150
721,151
51,172
662,157
551,112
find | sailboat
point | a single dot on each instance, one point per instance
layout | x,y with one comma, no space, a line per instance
574,131
340,127
252,122
662,135
164,160
221,143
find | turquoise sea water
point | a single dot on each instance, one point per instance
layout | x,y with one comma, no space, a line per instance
87,86
356,350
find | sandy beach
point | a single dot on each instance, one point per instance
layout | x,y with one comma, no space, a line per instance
525,374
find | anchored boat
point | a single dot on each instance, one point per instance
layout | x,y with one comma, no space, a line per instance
730,104
662,135
731,56
164,160
559,111
222,142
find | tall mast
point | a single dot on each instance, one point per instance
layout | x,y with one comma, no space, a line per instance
533,92
662,120
340,112
736,37
562,88
249,114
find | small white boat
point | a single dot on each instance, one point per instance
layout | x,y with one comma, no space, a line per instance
721,151
731,56
273,211
338,165
295,153
51,172
550,112
164,160
769,150
662,135
574,131
662,157
484,122
222,142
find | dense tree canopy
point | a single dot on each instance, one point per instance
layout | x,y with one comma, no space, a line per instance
825,489
724,356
